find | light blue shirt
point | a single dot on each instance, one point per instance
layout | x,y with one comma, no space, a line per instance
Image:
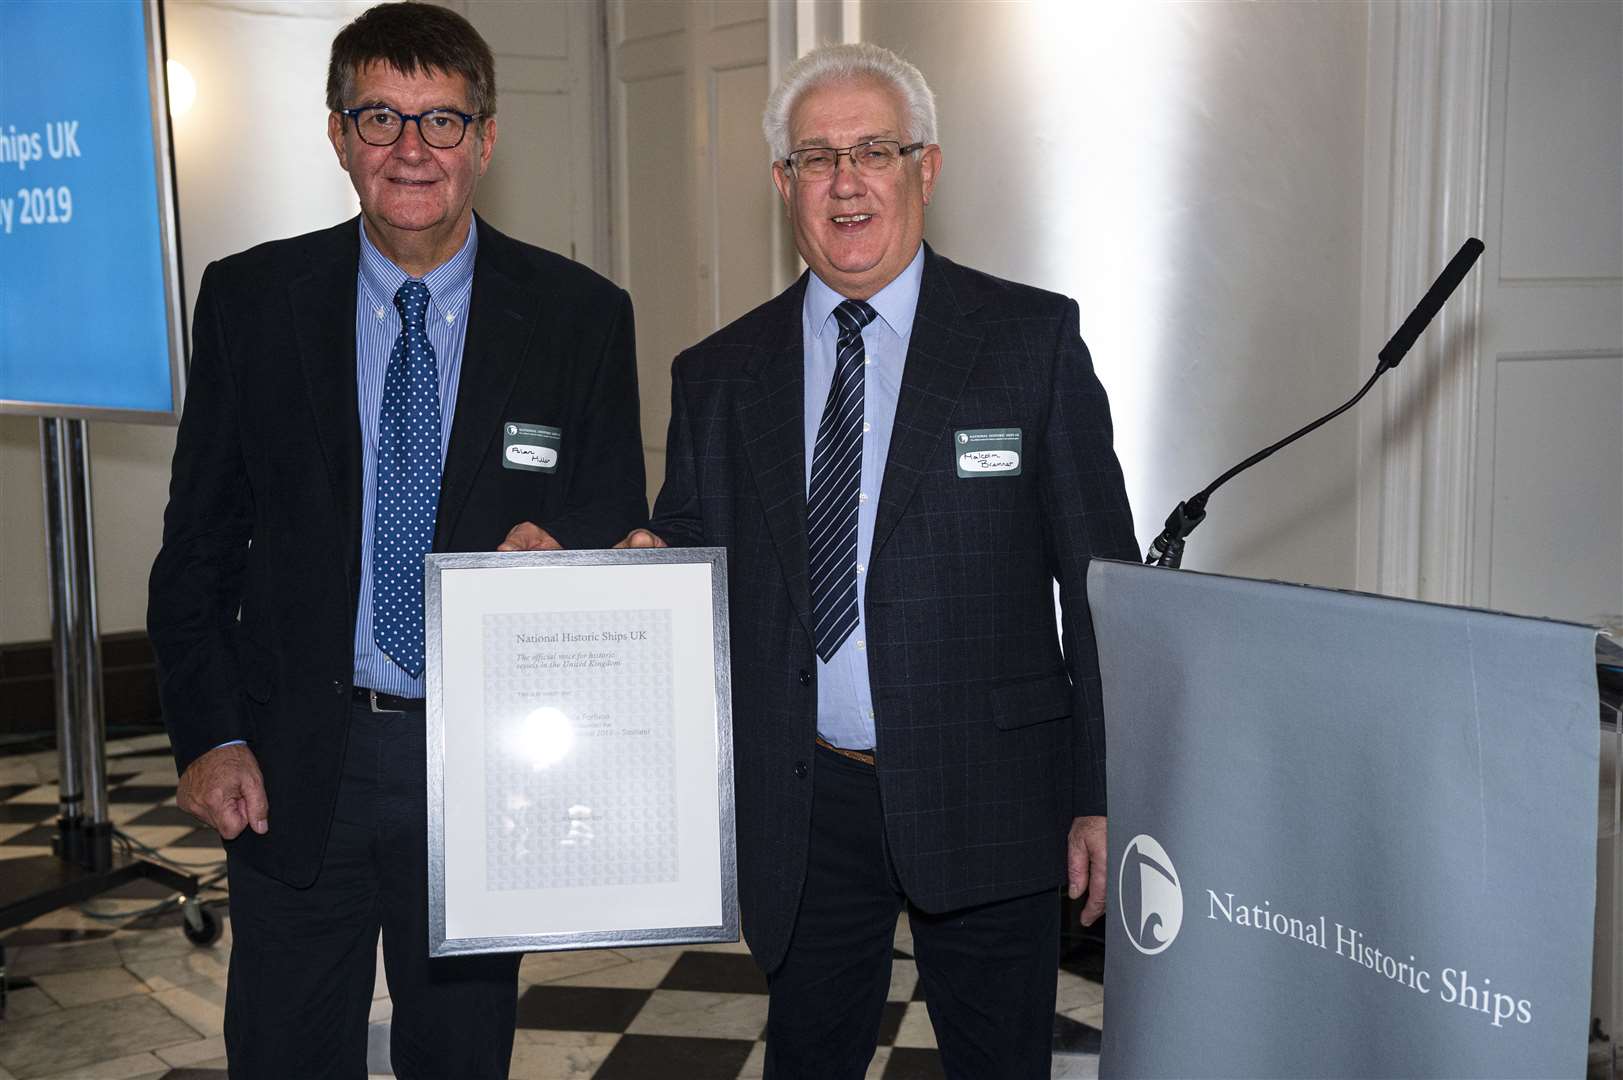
377,326
844,699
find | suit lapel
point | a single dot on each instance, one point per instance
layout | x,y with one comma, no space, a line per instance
940,356
323,303
502,319
770,413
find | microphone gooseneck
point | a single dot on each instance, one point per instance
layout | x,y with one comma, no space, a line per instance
1167,548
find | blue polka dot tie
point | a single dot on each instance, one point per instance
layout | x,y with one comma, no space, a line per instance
408,484
831,498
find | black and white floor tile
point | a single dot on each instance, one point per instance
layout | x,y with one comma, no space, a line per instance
130,997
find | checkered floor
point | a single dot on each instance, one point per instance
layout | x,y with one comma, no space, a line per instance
130,997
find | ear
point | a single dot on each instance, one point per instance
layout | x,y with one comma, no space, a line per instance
929,169
487,142
784,183
335,134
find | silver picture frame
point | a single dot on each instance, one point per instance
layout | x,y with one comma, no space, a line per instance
603,816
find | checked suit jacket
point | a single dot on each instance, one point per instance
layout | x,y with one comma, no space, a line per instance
254,593
989,735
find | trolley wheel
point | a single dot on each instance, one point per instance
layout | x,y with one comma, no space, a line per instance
201,926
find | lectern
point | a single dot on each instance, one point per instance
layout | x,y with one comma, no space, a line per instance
1349,835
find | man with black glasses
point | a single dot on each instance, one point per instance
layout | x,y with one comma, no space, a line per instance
349,395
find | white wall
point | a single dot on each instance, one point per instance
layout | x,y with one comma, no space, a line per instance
1203,178
253,164
1192,174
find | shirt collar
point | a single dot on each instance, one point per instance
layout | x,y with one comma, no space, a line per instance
896,303
449,284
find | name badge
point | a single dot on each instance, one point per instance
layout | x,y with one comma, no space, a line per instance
982,452
530,447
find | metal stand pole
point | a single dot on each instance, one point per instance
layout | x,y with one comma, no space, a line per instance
65,639
1612,867
83,835
92,706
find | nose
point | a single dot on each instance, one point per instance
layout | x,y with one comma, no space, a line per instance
410,145
846,181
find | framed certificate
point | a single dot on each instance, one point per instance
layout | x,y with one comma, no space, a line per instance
580,772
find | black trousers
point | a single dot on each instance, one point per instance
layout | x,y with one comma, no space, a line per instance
989,972
303,961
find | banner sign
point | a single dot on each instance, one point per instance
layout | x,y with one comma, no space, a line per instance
90,320
1349,835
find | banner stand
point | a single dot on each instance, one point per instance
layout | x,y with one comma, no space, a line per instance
83,864
75,644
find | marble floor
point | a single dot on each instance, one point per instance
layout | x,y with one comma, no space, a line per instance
126,995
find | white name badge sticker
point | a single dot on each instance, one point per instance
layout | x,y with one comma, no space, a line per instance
530,447
982,452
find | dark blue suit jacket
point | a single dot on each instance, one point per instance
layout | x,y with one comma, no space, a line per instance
989,737
269,455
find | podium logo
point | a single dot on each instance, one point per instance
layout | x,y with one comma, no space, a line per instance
1149,895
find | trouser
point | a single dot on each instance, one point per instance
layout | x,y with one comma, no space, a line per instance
988,972
303,961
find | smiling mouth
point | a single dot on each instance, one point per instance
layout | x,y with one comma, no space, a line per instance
410,183
851,221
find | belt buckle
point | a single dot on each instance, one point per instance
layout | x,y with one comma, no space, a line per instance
372,701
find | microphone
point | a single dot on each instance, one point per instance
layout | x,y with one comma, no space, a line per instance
1431,303
1167,548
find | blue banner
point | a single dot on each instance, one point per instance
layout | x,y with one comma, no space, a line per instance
84,312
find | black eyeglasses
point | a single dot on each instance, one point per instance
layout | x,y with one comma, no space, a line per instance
870,158
379,125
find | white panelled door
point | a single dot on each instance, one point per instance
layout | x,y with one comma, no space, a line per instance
1549,465
694,211
547,184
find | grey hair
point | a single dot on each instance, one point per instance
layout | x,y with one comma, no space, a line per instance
846,63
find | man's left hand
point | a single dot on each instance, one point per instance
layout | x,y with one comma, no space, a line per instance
1085,855
528,536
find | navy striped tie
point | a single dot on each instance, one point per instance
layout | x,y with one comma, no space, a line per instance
831,501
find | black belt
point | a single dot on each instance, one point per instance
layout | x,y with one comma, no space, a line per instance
378,701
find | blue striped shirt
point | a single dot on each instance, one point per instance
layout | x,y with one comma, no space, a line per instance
844,699
377,326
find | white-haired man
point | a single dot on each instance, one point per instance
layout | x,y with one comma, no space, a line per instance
901,455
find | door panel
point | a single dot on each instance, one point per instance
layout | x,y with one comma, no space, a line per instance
694,209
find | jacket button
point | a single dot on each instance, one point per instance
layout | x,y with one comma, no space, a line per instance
805,677
337,687
800,769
